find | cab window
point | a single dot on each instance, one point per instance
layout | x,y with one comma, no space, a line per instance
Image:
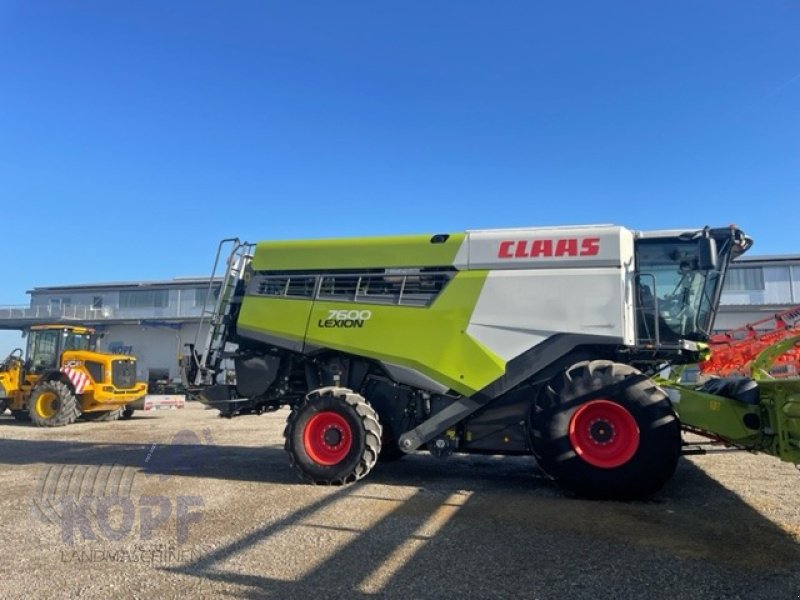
76,341
44,350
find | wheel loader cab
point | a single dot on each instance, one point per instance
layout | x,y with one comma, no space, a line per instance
677,284
46,345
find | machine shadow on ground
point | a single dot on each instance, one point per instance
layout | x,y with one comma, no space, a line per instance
474,526
491,541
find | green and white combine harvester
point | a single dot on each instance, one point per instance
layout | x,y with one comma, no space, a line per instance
542,341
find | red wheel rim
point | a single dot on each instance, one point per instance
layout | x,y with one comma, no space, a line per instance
327,438
604,434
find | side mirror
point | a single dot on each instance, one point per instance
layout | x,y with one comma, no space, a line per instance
707,254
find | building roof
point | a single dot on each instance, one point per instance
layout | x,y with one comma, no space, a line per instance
763,259
768,258
125,285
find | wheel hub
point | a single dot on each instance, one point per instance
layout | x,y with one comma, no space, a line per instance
604,434
47,405
327,438
332,437
601,432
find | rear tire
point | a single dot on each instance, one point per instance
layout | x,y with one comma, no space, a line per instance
127,413
3,406
52,404
604,430
333,437
103,416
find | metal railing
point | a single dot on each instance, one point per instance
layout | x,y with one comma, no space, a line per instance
65,312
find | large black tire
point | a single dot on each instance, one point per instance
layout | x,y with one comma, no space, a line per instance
52,404
333,437
103,416
127,413
3,405
604,430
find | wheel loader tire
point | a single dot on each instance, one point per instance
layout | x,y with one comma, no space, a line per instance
3,406
333,437
127,413
52,404
103,416
604,430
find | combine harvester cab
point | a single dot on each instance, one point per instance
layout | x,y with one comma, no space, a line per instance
542,341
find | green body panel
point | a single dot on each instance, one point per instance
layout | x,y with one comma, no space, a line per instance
778,411
716,414
781,399
431,340
279,317
356,253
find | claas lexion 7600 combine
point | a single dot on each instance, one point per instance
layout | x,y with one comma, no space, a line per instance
542,341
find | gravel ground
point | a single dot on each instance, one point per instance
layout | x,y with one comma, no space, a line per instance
185,504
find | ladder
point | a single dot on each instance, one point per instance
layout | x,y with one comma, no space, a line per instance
208,357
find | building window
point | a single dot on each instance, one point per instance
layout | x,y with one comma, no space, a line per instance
745,279
97,302
144,299
201,293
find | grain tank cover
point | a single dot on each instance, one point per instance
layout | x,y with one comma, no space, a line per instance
523,248
433,250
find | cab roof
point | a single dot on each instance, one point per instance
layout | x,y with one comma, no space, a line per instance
74,328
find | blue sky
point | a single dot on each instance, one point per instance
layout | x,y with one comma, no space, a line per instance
133,136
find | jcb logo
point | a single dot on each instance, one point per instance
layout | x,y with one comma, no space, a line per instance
347,319
549,248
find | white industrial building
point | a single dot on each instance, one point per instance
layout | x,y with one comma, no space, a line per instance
155,320
151,320
756,288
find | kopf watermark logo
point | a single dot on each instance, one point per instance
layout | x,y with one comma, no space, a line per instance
96,502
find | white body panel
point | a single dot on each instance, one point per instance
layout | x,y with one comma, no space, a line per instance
547,281
517,310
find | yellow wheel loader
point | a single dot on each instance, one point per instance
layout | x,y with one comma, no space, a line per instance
62,378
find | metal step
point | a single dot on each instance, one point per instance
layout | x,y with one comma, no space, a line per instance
208,356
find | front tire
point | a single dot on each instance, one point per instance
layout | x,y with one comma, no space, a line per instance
604,430
52,404
333,437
